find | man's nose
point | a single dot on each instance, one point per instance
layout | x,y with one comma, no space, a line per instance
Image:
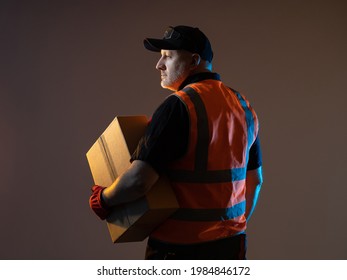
160,65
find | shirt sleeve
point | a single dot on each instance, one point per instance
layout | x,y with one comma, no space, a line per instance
255,155
166,137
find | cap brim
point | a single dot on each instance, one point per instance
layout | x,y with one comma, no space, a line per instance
156,45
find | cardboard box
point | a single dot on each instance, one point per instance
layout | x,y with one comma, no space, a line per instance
108,158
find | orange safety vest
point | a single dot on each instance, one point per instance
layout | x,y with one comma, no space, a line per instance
210,180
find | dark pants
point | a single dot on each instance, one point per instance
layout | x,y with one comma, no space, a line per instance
231,248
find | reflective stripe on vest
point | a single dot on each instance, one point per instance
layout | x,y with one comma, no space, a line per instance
207,220
249,120
210,214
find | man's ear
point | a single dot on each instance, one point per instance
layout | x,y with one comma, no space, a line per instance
196,59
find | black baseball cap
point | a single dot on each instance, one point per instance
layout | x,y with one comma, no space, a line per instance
182,37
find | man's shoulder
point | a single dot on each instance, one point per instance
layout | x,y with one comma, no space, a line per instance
172,106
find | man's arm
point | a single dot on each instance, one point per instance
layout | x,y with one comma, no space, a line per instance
254,180
132,184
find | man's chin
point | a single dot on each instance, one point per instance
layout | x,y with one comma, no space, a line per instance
167,86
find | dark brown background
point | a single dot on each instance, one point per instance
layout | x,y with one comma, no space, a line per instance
68,67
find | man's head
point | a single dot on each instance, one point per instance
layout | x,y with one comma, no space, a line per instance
184,51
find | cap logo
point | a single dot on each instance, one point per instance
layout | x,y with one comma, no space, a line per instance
171,33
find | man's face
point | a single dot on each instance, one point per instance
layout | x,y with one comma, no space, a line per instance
174,67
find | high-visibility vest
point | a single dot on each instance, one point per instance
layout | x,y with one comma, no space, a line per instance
209,180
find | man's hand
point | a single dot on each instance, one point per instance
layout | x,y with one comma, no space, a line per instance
131,185
96,203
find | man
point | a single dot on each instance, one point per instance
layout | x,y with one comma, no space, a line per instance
204,137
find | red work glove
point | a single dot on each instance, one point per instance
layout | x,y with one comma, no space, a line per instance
96,203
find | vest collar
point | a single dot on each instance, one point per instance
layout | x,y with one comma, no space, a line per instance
200,77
